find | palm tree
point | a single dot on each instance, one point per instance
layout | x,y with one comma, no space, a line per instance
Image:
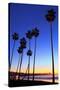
35,33
15,38
23,46
29,36
20,52
50,17
29,53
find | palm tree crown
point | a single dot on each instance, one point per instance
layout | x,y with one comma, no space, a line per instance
50,15
29,53
23,42
20,50
35,32
29,34
15,36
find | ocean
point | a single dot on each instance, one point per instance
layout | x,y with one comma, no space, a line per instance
47,78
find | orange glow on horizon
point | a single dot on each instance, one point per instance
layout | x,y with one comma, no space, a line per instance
41,71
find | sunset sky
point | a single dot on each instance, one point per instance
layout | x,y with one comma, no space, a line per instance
25,17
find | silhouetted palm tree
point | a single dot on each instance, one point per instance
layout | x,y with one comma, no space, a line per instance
20,52
23,46
29,36
35,33
50,17
29,53
15,38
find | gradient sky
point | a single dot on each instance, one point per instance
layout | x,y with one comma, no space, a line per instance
25,17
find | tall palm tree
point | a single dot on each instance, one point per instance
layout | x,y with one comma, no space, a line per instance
29,36
35,33
15,38
23,46
29,53
20,52
50,17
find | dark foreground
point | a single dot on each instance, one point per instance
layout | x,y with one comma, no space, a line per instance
18,83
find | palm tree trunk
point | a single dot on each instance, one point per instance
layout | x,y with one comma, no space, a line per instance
25,73
52,54
12,56
20,65
28,67
29,62
34,59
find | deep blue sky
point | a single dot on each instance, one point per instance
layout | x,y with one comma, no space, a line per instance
26,17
